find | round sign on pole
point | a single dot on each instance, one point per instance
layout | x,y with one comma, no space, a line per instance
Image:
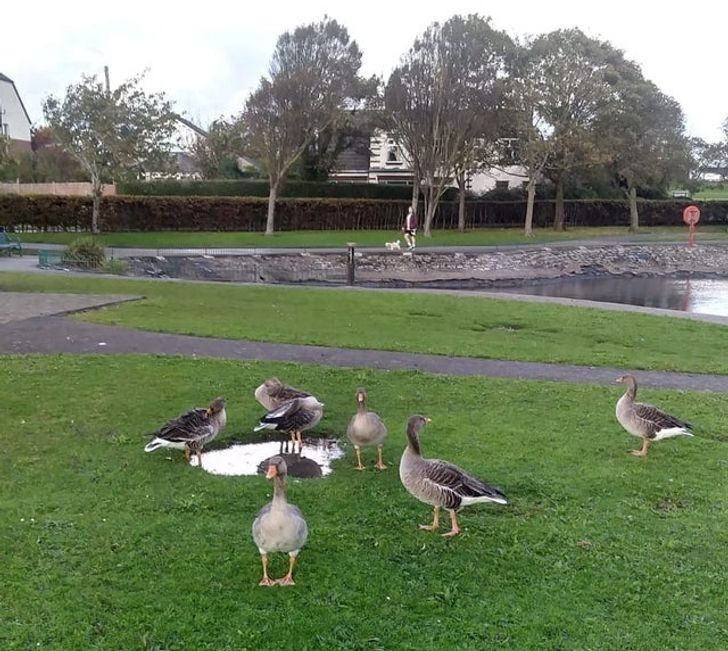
691,215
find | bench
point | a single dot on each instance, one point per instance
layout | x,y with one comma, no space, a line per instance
10,243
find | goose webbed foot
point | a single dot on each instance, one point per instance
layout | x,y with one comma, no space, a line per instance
359,464
286,580
642,451
435,521
455,529
266,580
380,465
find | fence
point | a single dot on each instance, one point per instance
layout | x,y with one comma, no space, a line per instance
70,189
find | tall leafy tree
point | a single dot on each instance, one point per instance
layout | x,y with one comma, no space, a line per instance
645,135
566,82
312,82
110,131
216,149
443,98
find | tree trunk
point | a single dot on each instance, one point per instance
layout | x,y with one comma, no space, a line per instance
634,216
461,202
269,224
530,198
559,207
415,191
430,207
96,191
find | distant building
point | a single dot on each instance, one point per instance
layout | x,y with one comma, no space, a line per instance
379,158
14,119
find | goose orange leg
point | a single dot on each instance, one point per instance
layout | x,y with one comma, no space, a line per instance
435,521
266,580
643,450
454,530
288,578
380,463
360,465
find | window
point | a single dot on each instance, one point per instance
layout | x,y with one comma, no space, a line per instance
501,185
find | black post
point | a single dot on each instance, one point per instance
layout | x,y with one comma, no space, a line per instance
350,264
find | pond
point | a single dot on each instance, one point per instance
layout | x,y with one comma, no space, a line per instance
705,296
249,458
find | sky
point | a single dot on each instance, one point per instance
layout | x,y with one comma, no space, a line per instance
207,58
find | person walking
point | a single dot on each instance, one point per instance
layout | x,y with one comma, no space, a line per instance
410,229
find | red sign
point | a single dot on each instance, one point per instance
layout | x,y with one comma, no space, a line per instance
691,215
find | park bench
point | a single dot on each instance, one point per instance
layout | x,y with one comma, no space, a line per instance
10,243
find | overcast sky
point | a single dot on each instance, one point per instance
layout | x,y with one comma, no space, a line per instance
208,57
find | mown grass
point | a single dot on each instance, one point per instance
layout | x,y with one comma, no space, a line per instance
479,237
105,547
402,321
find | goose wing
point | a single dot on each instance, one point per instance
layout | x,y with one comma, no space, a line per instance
189,427
290,416
286,393
655,419
454,485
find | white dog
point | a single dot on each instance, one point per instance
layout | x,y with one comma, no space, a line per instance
392,246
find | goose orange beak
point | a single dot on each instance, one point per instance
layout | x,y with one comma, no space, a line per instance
428,420
271,472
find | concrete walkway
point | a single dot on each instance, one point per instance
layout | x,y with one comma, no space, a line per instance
65,335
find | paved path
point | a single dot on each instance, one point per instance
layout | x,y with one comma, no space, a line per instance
17,306
64,335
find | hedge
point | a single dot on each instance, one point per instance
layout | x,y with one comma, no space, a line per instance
260,188
121,213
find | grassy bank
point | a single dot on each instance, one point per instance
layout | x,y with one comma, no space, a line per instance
105,547
402,321
481,237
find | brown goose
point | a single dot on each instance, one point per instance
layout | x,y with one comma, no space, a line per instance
294,417
646,421
440,483
192,430
366,429
279,526
273,393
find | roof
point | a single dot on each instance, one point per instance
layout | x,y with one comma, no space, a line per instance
20,99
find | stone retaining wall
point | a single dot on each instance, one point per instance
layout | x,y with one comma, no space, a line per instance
510,265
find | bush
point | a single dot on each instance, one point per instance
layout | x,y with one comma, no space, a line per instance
52,213
84,252
260,188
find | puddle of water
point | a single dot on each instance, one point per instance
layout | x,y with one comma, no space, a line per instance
688,295
248,458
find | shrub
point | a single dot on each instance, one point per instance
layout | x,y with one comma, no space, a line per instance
84,252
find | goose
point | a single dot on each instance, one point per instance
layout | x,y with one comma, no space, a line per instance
366,429
192,430
273,393
294,416
440,483
646,421
279,526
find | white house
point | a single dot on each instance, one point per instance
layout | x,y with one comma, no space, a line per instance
14,119
379,158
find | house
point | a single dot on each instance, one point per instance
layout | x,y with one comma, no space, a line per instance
14,119
379,158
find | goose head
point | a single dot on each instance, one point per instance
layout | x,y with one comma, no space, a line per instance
276,468
216,406
361,396
414,426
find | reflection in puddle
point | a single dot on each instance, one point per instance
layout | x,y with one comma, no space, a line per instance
248,458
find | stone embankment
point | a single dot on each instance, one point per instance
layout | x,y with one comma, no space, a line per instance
502,266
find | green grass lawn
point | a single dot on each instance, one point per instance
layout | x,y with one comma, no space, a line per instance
106,547
402,321
481,237
712,194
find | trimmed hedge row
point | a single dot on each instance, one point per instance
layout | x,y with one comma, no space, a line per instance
260,188
121,213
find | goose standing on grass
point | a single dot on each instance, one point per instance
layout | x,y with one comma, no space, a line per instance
279,526
366,429
440,483
192,430
646,421
294,417
273,393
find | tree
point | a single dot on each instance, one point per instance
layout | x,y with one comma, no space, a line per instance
216,150
443,97
109,132
566,83
645,134
313,80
